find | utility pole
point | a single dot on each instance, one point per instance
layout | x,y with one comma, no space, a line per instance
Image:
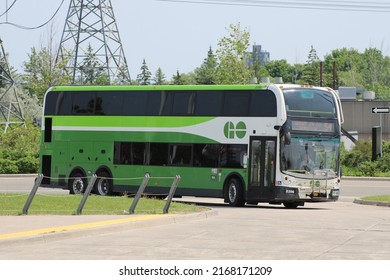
10,109
334,75
90,26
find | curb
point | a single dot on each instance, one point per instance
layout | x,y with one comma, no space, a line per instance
373,203
365,178
42,236
18,175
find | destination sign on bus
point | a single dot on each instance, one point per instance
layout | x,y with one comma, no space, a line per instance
313,126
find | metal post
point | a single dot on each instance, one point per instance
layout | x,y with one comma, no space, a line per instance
171,193
139,193
86,194
37,183
376,142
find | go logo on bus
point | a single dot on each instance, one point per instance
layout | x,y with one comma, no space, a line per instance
232,131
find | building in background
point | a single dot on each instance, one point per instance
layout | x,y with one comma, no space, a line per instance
258,56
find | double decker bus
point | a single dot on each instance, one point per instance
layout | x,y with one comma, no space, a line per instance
244,143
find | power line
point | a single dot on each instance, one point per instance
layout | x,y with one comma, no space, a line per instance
9,8
298,4
36,27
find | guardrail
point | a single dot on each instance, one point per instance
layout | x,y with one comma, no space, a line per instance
89,188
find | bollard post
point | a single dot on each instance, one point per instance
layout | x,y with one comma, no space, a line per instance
171,193
30,198
86,194
139,193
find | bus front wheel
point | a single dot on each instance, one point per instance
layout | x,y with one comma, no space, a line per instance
291,205
235,193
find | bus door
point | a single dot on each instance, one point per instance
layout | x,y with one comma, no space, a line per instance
262,156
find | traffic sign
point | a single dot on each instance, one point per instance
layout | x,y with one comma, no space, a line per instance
380,110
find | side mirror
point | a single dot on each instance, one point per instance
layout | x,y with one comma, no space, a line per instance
287,138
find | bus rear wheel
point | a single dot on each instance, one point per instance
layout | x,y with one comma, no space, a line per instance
235,193
103,185
77,183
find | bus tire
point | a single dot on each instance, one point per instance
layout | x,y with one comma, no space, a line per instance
77,183
291,205
103,185
235,193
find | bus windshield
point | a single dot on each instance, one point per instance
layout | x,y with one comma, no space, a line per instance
308,102
308,156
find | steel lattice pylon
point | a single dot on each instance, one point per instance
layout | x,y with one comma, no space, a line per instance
91,28
10,109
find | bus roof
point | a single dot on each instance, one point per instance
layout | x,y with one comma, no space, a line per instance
159,87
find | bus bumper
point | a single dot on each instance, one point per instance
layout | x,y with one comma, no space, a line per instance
306,194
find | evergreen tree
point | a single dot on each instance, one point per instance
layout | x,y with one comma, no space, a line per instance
206,73
178,79
145,76
311,72
92,71
159,78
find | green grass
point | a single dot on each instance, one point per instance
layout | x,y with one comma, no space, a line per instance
378,198
12,204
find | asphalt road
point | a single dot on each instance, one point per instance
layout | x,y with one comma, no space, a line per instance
350,187
339,230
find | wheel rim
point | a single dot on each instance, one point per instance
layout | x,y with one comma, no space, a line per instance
78,185
232,193
103,186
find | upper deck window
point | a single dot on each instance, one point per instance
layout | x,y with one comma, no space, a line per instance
310,103
239,103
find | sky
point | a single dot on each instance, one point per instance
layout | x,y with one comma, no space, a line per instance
176,35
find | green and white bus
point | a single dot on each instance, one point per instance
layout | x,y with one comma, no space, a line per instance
244,143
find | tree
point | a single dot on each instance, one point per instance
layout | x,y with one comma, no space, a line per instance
232,67
311,72
42,70
369,70
92,71
259,70
280,68
206,73
349,63
145,76
6,71
377,67
42,73
159,78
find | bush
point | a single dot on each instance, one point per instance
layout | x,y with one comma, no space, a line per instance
382,164
28,165
357,162
19,151
8,167
367,168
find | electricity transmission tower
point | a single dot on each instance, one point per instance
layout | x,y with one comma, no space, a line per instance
91,45
10,109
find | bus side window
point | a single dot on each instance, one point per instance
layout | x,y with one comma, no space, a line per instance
159,153
206,155
183,103
236,103
231,155
117,152
109,103
208,103
85,104
180,154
